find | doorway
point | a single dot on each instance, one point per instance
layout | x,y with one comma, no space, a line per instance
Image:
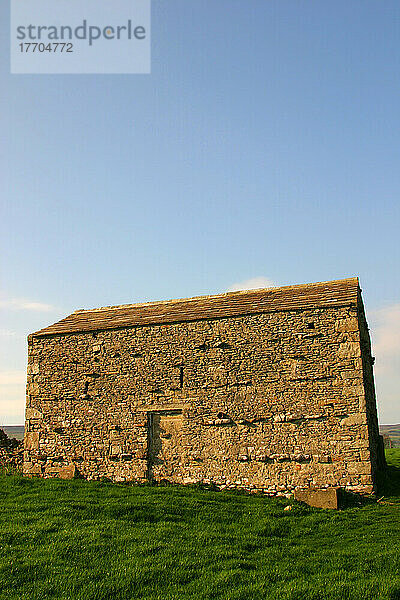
165,450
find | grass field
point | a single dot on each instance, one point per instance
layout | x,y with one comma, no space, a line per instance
98,541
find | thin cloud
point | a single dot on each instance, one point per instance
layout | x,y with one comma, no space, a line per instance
385,326
252,284
12,377
26,305
12,397
12,407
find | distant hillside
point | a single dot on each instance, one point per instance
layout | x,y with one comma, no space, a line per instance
392,431
14,431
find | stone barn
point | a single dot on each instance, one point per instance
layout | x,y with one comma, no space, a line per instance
268,389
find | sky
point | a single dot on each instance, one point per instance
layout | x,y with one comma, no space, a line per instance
262,149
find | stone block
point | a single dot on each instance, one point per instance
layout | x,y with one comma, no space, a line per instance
356,419
33,413
359,468
347,325
349,350
67,472
33,388
31,468
319,498
31,440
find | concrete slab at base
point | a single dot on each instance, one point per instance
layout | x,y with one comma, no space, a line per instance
319,498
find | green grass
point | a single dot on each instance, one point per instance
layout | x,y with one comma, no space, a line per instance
98,541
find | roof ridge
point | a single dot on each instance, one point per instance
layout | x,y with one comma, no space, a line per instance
339,292
210,296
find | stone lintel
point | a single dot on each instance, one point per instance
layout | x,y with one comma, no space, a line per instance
163,407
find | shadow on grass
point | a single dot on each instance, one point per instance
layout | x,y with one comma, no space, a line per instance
389,482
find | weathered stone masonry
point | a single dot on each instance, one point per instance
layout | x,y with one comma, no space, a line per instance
265,389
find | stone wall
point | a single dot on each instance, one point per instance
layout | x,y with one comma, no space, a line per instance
11,453
273,401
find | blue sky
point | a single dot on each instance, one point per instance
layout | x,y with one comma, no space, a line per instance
264,144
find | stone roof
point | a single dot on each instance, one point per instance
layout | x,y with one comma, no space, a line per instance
343,292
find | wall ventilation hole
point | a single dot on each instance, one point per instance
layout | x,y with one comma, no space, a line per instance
202,347
311,325
181,377
223,345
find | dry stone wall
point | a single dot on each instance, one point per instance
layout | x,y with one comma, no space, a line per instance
272,402
11,453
